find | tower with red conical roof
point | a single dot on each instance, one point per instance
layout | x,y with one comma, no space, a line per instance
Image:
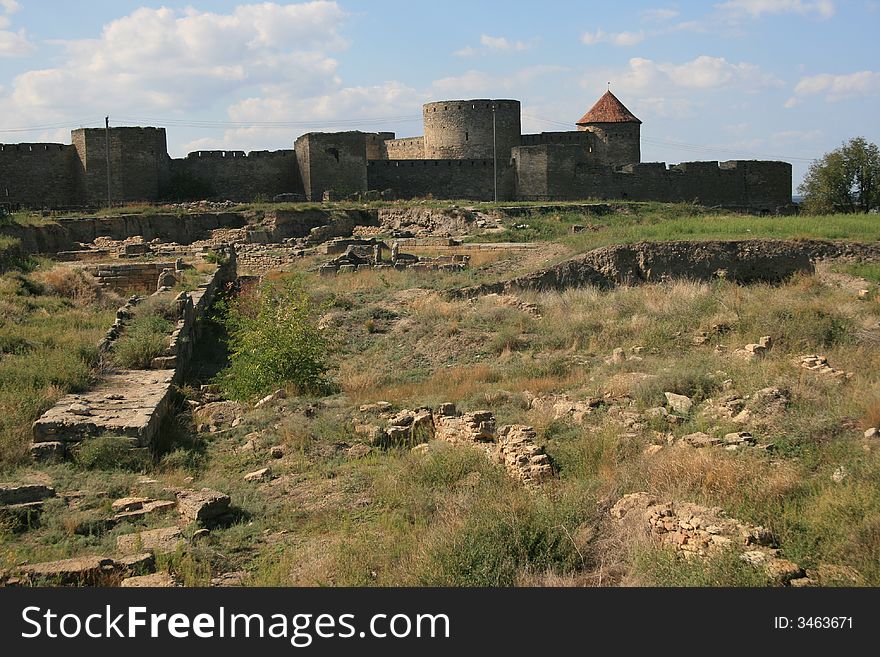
616,131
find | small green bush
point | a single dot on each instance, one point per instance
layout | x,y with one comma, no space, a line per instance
274,341
110,453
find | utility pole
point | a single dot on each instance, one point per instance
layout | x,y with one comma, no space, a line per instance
107,157
494,155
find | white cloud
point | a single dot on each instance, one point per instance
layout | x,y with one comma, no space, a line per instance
836,87
658,15
475,82
704,72
492,44
329,112
794,136
756,8
166,61
12,44
617,38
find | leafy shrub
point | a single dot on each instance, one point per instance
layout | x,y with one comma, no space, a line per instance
110,453
274,341
215,257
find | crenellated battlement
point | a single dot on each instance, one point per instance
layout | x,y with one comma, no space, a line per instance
471,149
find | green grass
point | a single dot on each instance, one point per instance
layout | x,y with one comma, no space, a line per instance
663,222
146,336
868,270
48,342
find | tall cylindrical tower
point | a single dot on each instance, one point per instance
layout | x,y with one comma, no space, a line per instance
463,129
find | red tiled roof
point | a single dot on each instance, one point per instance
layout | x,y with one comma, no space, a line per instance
608,110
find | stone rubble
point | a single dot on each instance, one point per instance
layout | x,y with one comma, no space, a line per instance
202,506
698,531
83,571
757,350
263,474
819,365
523,459
563,407
165,540
680,404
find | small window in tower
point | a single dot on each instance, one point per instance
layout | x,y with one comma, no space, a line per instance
334,152
466,135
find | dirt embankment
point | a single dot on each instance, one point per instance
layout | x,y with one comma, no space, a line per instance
743,261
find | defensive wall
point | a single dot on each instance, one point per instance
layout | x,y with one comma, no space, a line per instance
446,179
237,176
561,172
36,175
463,142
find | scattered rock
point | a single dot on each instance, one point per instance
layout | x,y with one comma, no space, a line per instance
782,571
756,350
236,578
650,450
873,432
263,474
840,473
84,571
159,541
819,365
376,407
129,503
618,356
563,407
276,451
25,493
679,403
203,505
693,529
700,439
268,399
148,508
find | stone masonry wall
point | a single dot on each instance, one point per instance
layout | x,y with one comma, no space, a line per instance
129,276
138,164
463,179
411,148
332,162
38,175
562,172
234,176
463,129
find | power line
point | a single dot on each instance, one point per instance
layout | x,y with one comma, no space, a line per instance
196,123
55,126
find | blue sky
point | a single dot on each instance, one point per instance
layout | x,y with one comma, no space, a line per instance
733,79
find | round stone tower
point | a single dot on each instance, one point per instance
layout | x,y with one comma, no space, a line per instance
462,129
616,131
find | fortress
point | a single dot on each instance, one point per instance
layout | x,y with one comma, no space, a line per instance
471,149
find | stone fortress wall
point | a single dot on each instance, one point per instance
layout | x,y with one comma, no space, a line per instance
456,158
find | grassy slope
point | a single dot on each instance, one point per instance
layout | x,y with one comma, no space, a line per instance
450,518
49,326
